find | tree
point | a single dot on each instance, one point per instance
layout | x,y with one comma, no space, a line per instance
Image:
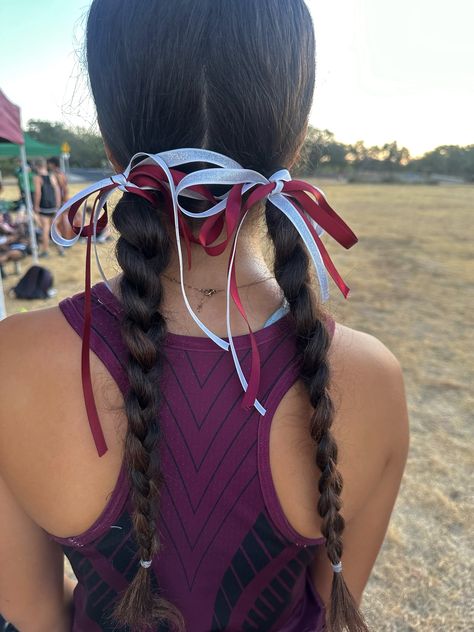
357,154
87,148
394,156
448,160
321,149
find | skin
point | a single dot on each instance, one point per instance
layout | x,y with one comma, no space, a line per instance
61,178
52,479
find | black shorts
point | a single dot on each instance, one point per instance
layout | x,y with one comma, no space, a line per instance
46,212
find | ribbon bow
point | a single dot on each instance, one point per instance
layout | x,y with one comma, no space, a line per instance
150,175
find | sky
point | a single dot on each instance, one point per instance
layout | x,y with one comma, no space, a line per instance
386,70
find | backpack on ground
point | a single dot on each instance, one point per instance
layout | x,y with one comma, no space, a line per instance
37,282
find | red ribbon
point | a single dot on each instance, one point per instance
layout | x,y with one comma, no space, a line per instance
89,400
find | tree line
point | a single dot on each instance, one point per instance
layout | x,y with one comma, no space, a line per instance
321,154
87,148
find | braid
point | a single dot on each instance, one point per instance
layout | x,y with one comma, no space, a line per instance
292,274
143,252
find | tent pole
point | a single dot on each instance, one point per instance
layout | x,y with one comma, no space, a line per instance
29,205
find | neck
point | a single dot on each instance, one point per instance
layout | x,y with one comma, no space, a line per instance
259,300
211,271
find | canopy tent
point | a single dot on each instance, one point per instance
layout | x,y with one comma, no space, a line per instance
33,148
10,132
10,128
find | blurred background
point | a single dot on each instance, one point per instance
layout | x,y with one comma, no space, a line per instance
391,142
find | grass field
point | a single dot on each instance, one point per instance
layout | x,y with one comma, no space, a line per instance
412,287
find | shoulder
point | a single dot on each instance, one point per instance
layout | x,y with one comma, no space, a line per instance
39,363
368,377
371,419
19,330
363,355
46,448
33,345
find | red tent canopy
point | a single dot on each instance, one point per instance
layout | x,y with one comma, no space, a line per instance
10,127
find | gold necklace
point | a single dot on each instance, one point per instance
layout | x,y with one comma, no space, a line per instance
208,292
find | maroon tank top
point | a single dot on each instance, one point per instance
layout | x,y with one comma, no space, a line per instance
229,560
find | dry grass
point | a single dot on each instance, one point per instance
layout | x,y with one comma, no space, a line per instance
412,288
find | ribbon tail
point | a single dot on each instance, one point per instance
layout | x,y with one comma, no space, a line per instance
323,214
250,388
89,400
295,216
100,224
328,263
251,393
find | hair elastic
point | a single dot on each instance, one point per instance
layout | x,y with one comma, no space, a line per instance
337,568
145,563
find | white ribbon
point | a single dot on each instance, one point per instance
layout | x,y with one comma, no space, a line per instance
226,172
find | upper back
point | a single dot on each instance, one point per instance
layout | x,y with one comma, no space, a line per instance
51,452
40,385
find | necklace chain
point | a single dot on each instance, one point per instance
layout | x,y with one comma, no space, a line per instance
211,291
208,292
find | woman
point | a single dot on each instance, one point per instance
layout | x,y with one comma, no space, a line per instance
200,514
46,201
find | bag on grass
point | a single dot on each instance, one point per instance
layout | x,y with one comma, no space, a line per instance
37,282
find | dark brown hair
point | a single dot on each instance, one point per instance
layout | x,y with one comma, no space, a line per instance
236,78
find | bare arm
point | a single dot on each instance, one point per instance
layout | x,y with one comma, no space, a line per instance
378,411
34,595
64,187
57,190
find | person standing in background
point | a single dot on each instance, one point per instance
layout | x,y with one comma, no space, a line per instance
54,168
47,200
